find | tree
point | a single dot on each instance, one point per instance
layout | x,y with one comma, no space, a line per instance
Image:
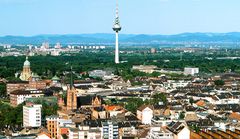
155,74
133,103
191,101
219,82
49,109
195,127
2,89
10,116
159,97
181,116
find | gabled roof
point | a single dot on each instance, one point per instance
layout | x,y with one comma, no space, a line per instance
175,127
191,117
235,116
112,107
141,108
86,100
201,103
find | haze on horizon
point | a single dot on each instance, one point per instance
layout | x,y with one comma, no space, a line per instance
33,17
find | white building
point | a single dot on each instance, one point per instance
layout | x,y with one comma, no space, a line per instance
84,132
159,133
99,73
145,68
191,71
19,96
173,84
179,130
110,130
32,115
145,114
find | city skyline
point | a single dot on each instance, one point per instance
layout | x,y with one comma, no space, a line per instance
29,18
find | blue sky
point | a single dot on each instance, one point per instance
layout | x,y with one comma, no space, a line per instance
33,17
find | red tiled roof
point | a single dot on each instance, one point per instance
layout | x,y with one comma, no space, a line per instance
235,115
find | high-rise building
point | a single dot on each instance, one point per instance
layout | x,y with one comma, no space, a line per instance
71,96
26,73
110,130
57,126
52,125
32,115
117,27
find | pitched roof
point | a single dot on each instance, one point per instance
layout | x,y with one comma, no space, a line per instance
191,117
26,92
141,108
235,116
144,133
112,108
201,103
175,127
86,100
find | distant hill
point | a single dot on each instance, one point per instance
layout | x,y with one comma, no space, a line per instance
124,38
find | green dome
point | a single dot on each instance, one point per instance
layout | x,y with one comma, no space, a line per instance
55,78
26,63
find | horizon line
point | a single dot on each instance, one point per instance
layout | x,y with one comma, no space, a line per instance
119,34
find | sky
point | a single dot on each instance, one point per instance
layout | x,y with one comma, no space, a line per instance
34,17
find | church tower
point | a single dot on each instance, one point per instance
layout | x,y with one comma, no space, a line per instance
26,73
71,96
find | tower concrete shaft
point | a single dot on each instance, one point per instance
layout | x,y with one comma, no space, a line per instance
116,50
117,27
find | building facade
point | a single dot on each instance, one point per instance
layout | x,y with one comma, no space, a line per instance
16,85
145,68
191,71
22,85
145,114
32,115
52,125
19,96
110,130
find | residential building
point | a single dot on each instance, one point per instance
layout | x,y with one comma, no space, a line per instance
179,130
52,125
32,115
19,96
145,68
16,85
110,130
159,133
145,114
22,85
99,73
191,71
